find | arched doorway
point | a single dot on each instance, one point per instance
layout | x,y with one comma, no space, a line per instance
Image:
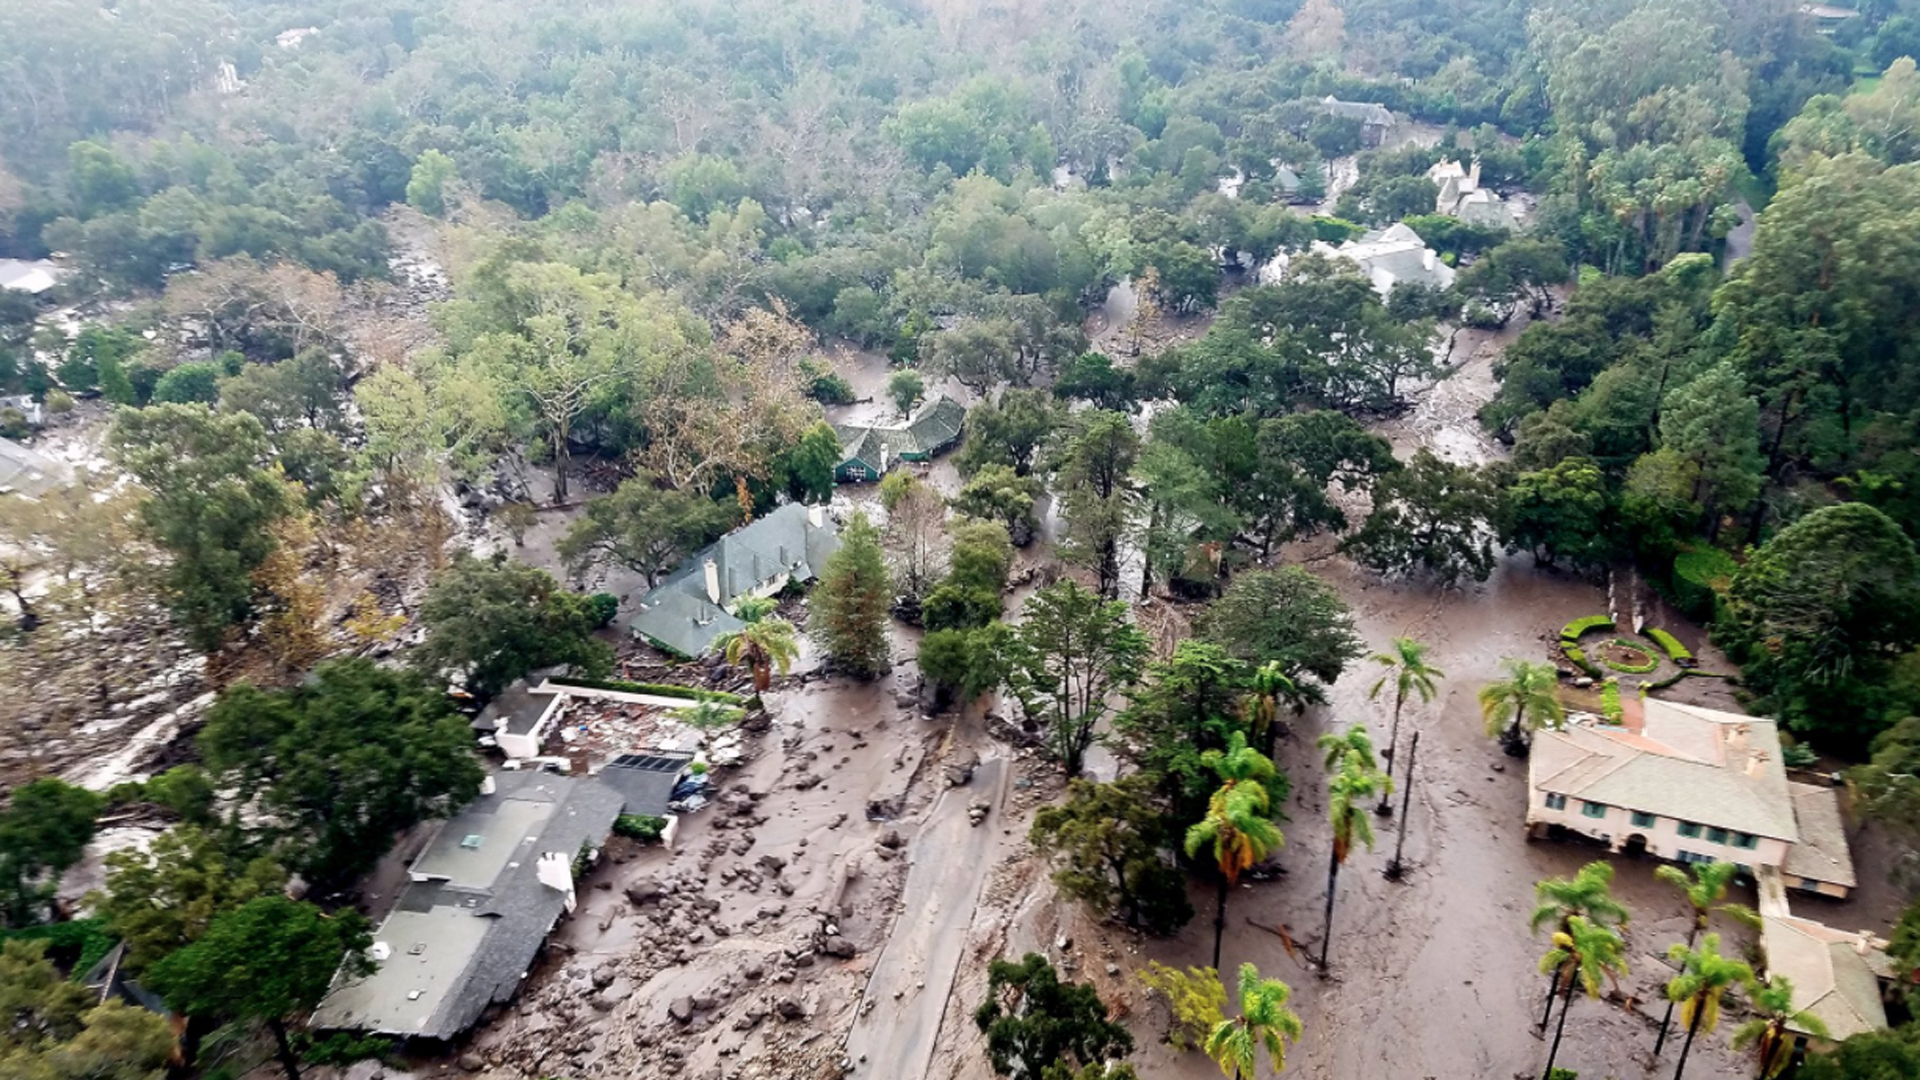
1635,847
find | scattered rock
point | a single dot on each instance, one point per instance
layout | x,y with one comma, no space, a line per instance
471,1062
840,948
892,839
789,1009
773,863
645,890
681,1009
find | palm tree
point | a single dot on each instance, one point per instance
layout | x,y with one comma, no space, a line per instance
1239,825
1582,952
1704,978
1770,1032
1355,781
1356,741
707,715
1270,684
1407,668
1527,700
1264,1021
1559,901
763,644
1704,885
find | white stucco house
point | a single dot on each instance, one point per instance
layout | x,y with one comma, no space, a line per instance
1689,784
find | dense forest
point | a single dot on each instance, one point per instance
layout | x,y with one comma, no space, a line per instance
655,218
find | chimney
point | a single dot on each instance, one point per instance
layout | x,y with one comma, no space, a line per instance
1473,174
555,871
817,516
713,581
1633,713
1737,738
1756,764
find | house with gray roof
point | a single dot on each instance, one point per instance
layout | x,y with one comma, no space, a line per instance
1837,975
693,605
1376,120
867,451
33,277
28,472
481,900
1391,257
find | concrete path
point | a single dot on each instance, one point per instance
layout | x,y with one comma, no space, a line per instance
893,1034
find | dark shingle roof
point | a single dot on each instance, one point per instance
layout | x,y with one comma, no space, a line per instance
932,428
678,612
463,938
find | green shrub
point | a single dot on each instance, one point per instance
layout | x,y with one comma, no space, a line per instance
1632,669
1798,756
1610,702
1675,651
604,607
1335,230
642,827
830,389
342,1048
76,945
1578,627
662,689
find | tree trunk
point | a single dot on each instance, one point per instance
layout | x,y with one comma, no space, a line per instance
1687,1046
1553,988
1558,1029
1667,1020
1394,868
1385,809
285,1048
1220,920
1326,940
560,462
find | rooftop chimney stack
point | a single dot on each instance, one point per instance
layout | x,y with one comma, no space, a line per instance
713,581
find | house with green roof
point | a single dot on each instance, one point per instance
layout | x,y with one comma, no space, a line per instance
867,451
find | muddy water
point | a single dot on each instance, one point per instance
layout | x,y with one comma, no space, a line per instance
1436,976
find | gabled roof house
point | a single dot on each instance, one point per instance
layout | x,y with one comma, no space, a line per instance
1375,119
480,901
1392,256
692,606
867,451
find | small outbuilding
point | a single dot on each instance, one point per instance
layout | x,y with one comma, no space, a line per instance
867,451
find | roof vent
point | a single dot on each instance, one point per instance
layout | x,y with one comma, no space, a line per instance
418,948
380,950
471,841
413,995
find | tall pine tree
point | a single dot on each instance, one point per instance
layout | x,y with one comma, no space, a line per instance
849,620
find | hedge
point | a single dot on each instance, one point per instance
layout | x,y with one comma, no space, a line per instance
1610,702
1633,669
1579,658
1668,681
1578,627
1675,651
662,689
